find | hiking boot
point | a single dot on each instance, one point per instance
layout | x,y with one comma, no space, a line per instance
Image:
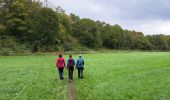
69,80
62,78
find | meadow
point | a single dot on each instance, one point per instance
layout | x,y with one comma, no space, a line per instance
107,76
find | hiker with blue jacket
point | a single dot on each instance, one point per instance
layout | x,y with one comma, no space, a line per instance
80,66
70,67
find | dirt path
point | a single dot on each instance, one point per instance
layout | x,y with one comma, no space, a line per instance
71,95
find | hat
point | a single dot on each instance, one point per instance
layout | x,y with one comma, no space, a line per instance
80,55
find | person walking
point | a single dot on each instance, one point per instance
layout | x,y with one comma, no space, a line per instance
80,66
60,64
70,67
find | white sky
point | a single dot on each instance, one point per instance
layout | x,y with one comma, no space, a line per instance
147,16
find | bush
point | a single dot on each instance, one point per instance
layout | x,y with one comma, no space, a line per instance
10,46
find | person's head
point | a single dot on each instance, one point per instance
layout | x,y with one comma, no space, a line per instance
70,55
60,55
80,55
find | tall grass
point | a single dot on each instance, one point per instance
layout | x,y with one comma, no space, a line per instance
107,76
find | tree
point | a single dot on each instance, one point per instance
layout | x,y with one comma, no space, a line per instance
28,24
17,19
87,33
45,30
159,42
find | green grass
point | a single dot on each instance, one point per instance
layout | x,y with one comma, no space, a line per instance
122,76
112,76
30,78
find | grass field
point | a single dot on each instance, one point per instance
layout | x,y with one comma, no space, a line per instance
112,76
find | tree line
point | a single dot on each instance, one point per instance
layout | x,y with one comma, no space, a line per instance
28,26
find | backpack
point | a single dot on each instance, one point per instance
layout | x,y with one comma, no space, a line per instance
71,62
80,62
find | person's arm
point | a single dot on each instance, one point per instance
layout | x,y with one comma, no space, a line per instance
67,63
57,63
83,62
73,62
64,63
77,63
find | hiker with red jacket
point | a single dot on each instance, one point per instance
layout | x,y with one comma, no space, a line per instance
60,64
70,67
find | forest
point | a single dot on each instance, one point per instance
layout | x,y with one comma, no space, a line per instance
27,26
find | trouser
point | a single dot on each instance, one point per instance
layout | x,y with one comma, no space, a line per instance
80,72
70,72
60,71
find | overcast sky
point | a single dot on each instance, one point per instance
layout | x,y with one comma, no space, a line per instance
147,16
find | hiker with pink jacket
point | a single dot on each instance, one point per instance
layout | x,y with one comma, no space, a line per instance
60,64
